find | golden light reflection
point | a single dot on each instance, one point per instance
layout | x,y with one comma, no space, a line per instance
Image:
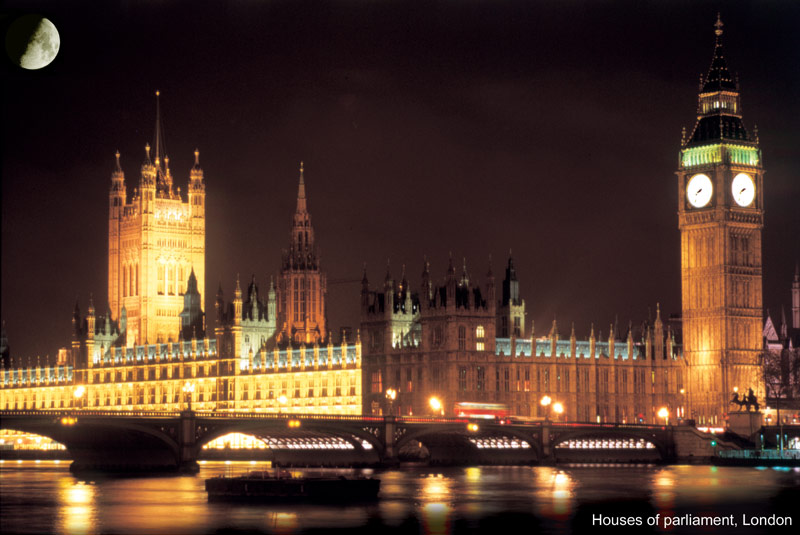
554,490
283,523
664,490
562,493
473,474
436,519
78,514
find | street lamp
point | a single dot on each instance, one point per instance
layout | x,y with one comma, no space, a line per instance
558,408
391,395
664,413
188,390
545,402
436,405
283,401
79,392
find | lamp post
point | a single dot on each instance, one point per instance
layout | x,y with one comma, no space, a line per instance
436,405
545,402
188,390
79,392
664,413
558,408
282,402
391,395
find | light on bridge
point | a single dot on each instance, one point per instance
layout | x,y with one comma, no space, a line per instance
472,427
294,423
69,420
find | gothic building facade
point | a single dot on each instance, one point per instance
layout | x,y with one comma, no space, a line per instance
721,217
156,240
441,342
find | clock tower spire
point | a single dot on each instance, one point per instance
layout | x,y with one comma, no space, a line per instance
721,217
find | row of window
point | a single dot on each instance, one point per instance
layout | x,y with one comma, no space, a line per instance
521,381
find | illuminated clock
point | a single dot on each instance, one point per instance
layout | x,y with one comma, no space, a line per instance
743,189
698,190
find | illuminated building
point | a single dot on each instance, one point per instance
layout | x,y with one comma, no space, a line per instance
155,241
440,342
721,216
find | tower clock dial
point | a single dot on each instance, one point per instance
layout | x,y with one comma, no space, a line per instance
743,189
698,190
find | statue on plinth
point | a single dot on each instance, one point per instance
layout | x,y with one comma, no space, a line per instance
747,401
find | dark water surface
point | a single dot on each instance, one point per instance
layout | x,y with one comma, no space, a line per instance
43,497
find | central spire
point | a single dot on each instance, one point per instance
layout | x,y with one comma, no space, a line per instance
163,177
301,192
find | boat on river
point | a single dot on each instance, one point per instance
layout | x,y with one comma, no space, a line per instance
265,486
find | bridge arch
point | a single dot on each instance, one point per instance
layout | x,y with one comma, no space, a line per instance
605,445
310,437
490,444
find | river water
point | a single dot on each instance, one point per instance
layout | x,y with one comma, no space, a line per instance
43,497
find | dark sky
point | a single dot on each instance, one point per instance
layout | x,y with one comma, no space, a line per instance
426,128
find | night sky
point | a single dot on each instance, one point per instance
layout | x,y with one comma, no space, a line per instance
427,128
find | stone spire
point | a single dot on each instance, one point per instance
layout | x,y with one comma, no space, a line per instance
301,192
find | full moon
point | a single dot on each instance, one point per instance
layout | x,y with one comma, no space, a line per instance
32,42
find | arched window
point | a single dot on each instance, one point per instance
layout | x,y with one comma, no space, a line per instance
479,338
462,337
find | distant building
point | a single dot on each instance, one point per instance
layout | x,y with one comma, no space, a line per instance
782,355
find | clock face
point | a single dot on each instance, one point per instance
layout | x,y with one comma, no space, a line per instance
698,191
743,189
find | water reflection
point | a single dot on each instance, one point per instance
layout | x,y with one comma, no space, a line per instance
45,497
283,523
435,494
78,513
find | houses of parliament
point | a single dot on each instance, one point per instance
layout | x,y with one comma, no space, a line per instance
454,333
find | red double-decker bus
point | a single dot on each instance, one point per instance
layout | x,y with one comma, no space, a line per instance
488,411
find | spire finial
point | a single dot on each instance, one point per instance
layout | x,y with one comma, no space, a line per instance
301,192
196,157
158,127
147,150
118,166
718,25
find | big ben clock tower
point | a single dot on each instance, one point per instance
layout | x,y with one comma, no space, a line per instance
721,215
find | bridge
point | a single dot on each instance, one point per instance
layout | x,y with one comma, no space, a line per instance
152,440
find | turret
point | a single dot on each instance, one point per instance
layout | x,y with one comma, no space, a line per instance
197,188
90,320
192,314
425,294
271,301
450,283
491,292
237,303
117,193
658,335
